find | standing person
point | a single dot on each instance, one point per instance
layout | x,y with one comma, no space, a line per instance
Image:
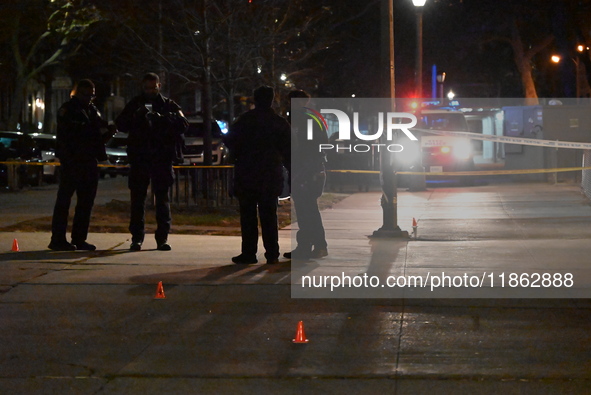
155,127
80,146
308,176
260,143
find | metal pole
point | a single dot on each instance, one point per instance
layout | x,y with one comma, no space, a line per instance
419,54
389,201
577,79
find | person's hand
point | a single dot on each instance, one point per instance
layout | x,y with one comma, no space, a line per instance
141,112
153,116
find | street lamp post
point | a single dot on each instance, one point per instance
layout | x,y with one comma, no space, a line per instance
441,80
389,201
419,60
557,59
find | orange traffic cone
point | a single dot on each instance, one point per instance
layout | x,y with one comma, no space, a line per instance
300,336
15,245
414,222
159,291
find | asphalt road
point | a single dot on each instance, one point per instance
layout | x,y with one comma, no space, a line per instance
86,323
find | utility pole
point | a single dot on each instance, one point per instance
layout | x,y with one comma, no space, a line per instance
389,199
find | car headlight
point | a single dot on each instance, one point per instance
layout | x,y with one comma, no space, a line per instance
463,149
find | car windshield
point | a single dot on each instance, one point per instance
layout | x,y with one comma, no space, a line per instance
117,142
444,121
9,142
196,129
18,145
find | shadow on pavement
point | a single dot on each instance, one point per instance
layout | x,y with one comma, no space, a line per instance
41,255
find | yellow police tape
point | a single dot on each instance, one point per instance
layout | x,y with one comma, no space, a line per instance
413,173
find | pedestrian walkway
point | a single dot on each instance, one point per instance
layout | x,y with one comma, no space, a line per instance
87,322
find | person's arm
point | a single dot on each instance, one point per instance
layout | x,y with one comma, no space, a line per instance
129,121
130,115
177,119
67,134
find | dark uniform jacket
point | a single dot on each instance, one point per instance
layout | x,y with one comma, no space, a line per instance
79,139
260,144
307,170
155,137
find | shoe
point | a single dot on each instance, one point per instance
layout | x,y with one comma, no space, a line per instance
244,259
135,246
164,247
272,261
298,253
85,246
61,246
319,253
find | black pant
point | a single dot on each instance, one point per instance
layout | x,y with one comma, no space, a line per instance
140,177
267,211
81,178
305,200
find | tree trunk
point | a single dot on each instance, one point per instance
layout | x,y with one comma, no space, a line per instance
523,63
527,81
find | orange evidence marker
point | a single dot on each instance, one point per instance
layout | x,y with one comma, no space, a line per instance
300,336
159,291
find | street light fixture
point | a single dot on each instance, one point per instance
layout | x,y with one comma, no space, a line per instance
441,80
419,61
451,95
556,59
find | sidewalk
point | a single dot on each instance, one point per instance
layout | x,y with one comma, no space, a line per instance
86,322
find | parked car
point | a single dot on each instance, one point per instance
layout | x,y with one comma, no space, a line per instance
20,147
116,149
46,143
193,152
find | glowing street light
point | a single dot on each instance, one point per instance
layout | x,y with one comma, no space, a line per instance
555,58
451,95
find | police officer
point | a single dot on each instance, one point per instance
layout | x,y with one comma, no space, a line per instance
308,177
156,127
260,142
80,146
